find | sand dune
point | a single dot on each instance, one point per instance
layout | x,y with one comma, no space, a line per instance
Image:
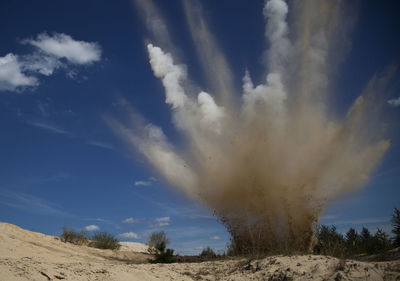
26,255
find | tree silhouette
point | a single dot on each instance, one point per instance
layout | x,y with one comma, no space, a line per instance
352,239
396,227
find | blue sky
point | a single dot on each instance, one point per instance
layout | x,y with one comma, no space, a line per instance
64,65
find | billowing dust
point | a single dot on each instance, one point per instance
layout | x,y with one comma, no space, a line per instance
267,160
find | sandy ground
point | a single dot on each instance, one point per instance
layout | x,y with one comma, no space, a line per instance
26,255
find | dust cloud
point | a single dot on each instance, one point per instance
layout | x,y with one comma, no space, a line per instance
267,160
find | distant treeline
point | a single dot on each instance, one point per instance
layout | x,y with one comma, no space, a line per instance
332,243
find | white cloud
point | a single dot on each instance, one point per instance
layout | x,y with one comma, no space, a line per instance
61,45
131,220
91,227
129,235
40,63
215,238
11,76
394,102
51,52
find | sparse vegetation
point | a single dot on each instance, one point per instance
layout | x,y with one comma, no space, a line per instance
104,240
208,253
163,255
363,245
156,239
71,236
158,245
101,240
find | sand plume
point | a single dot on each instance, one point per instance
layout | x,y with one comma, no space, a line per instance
269,160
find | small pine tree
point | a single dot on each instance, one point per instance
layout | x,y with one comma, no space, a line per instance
352,239
330,242
382,241
396,227
366,240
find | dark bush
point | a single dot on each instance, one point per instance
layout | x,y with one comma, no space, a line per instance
231,249
163,255
71,236
382,241
353,242
208,253
104,240
158,246
329,242
396,227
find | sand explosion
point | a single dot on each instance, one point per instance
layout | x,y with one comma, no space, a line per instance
268,160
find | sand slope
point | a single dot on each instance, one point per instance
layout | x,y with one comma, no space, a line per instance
26,255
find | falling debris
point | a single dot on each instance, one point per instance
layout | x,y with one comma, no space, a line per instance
268,161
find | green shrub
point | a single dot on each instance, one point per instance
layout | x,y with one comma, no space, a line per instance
156,239
71,236
163,255
158,246
104,240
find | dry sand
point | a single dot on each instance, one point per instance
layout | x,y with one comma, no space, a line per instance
26,255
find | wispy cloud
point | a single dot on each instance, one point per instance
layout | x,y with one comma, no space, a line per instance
49,127
57,177
148,182
143,183
91,227
100,144
129,235
193,211
160,222
362,221
215,238
31,204
394,102
328,217
51,52
131,220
